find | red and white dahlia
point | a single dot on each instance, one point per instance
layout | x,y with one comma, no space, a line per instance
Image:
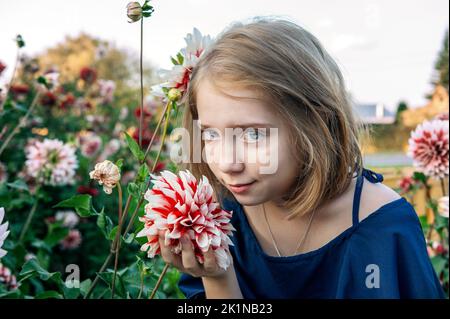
180,205
179,76
51,162
429,149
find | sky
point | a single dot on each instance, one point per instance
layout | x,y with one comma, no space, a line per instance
386,48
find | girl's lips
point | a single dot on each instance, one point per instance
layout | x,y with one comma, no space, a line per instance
241,188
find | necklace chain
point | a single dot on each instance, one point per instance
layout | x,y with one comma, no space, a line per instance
302,238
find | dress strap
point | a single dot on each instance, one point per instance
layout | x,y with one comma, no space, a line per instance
371,177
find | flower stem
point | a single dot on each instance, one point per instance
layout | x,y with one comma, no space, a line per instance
131,221
141,117
28,222
117,240
166,266
156,131
444,192
22,122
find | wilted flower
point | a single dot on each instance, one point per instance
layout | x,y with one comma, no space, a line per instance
88,75
51,162
180,206
89,142
72,240
107,174
3,173
68,218
443,206
429,148
106,90
4,232
176,80
7,278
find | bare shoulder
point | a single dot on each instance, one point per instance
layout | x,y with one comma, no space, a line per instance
374,196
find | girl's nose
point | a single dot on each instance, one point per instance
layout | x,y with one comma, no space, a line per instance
230,160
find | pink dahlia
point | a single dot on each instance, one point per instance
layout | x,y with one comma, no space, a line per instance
51,162
180,206
89,142
428,147
72,240
7,278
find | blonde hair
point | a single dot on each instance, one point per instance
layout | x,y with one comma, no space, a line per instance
290,68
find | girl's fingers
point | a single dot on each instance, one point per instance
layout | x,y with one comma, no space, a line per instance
210,263
189,261
167,255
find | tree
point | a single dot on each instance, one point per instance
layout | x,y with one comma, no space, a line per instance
441,65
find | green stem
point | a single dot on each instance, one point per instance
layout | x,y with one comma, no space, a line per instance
141,117
28,222
130,223
156,131
22,122
444,192
166,266
117,239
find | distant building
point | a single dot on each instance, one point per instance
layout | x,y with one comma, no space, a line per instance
374,113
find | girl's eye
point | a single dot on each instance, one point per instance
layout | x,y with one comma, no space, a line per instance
210,135
252,135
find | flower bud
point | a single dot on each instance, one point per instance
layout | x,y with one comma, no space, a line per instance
174,94
134,11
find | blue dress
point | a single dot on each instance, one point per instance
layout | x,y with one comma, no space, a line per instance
383,256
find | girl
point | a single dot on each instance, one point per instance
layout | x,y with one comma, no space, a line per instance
319,225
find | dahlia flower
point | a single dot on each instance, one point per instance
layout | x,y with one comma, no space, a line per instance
3,232
107,174
428,147
7,278
106,90
89,142
72,240
176,80
51,162
68,218
179,205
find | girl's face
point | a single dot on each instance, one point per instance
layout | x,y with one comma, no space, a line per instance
246,142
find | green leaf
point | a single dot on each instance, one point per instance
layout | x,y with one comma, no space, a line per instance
55,235
133,189
84,286
129,238
32,269
19,184
421,177
104,223
81,203
143,172
134,147
119,287
180,58
19,41
112,233
175,62
119,163
50,294
439,264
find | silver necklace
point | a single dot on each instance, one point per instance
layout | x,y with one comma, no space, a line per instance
302,238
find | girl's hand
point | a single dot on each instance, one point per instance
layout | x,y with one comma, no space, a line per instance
187,262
